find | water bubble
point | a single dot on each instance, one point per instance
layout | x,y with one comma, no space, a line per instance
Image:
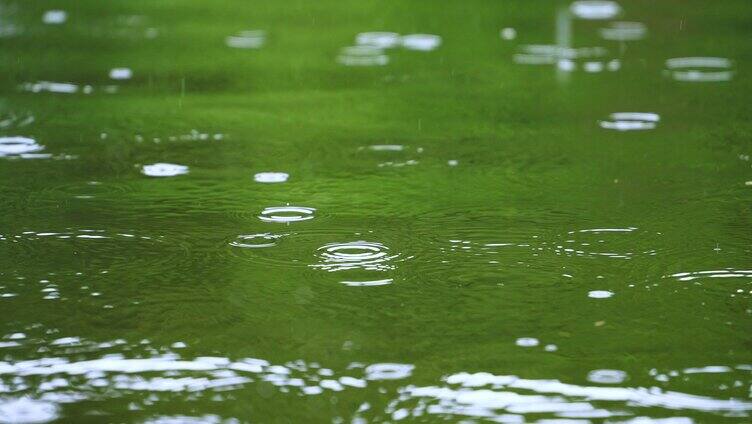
271,177
55,17
252,39
624,31
18,146
121,73
607,376
453,162
700,69
600,294
595,9
527,342
382,40
355,255
421,42
508,33
286,214
164,170
254,241
362,56
631,121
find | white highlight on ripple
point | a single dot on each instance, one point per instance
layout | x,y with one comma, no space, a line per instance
388,371
164,170
365,255
489,396
600,294
595,9
271,177
700,69
382,40
721,273
255,241
624,31
384,282
18,146
121,73
421,42
52,87
27,410
55,17
363,55
287,214
631,121
252,39
607,376
527,342
386,147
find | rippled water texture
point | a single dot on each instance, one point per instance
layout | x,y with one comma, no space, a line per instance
351,211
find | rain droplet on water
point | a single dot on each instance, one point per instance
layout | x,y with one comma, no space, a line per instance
164,170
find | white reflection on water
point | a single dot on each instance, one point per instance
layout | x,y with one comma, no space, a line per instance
255,241
631,121
624,31
164,170
121,73
287,214
362,56
55,17
721,273
595,9
364,255
421,42
494,397
271,177
700,69
18,146
252,39
382,40
27,410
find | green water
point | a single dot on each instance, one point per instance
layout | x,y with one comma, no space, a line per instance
486,237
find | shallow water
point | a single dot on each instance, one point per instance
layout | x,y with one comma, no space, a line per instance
222,212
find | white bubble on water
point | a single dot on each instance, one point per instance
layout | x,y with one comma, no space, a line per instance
55,17
271,177
595,9
600,294
382,40
421,42
164,170
527,342
121,73
388,371
607,376
508,33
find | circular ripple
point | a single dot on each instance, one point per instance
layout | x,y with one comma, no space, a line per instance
256,241
363,255
286,214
